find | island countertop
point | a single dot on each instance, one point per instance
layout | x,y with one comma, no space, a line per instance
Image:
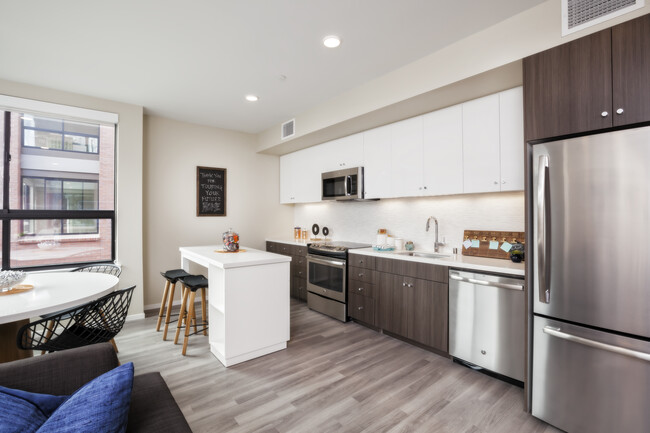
214,255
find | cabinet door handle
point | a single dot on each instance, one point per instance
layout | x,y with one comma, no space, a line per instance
619,111
604,114
360,289
404,284
409,285
361,262
359,308
361,274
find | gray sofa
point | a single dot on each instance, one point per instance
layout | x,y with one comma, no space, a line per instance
153,408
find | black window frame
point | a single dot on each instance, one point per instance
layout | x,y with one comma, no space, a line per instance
62,132
63,179
7,215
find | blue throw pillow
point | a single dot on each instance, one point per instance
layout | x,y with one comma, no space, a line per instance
101,405
25,412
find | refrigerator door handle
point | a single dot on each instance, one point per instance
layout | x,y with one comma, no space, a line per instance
557,332
542,222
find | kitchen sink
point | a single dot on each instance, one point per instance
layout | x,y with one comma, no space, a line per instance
427,255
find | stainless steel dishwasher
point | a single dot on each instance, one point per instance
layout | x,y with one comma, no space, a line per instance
486,321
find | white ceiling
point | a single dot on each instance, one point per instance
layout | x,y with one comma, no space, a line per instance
195,60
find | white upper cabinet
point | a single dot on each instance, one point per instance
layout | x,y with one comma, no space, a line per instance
406,157
493,142
346,152
286,178
442,152
474,147
481,159
511,122
377,162
299,181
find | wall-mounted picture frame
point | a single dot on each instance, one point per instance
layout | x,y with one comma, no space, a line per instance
210,191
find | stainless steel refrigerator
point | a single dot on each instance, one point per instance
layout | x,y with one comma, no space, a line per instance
591,282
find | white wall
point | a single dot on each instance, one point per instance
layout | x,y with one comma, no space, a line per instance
128,175
173,150
406,218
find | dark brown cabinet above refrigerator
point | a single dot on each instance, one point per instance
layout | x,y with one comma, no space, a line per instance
599,81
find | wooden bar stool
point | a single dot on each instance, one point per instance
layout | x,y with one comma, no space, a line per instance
187,315
171,278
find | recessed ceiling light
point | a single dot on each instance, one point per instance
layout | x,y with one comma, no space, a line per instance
331,41
252,98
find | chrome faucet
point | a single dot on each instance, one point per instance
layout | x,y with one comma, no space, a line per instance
436,244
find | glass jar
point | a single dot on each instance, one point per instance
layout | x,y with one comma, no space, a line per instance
231,241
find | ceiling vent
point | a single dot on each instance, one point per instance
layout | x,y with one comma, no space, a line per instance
580,14
288,129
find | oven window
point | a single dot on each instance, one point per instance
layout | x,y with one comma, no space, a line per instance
326,277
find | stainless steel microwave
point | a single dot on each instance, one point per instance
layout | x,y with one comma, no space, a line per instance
346,184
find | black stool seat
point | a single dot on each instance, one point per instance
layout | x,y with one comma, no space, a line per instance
195,282
174,275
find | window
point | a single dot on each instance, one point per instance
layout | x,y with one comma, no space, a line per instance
58,193
67,194
57,134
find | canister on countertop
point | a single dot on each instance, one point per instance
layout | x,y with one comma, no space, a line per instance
399,243
230,241
296,234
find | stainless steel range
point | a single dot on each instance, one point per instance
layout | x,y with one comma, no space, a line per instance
327,277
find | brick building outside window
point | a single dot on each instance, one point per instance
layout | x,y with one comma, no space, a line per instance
61,191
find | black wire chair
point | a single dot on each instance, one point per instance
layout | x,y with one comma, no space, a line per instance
103,269
97,321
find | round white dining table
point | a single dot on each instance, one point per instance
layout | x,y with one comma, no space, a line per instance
53,291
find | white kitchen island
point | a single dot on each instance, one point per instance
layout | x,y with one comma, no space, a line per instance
248,301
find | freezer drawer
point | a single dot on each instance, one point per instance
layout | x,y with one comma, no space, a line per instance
589,381
486,322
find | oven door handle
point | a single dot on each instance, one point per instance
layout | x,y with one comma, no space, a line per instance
325,261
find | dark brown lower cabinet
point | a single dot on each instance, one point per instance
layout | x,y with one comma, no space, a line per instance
299,288
298,266
361,308
392,304
414,308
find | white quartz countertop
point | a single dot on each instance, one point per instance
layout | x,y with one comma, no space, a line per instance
293,242
288,241
459,261
212,255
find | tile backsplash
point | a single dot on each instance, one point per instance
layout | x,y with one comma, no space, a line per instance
406,217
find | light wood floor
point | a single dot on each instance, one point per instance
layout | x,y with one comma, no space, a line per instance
333,377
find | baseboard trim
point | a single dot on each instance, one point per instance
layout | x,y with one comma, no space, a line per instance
138,316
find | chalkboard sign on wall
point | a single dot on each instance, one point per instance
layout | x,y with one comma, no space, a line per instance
210,191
